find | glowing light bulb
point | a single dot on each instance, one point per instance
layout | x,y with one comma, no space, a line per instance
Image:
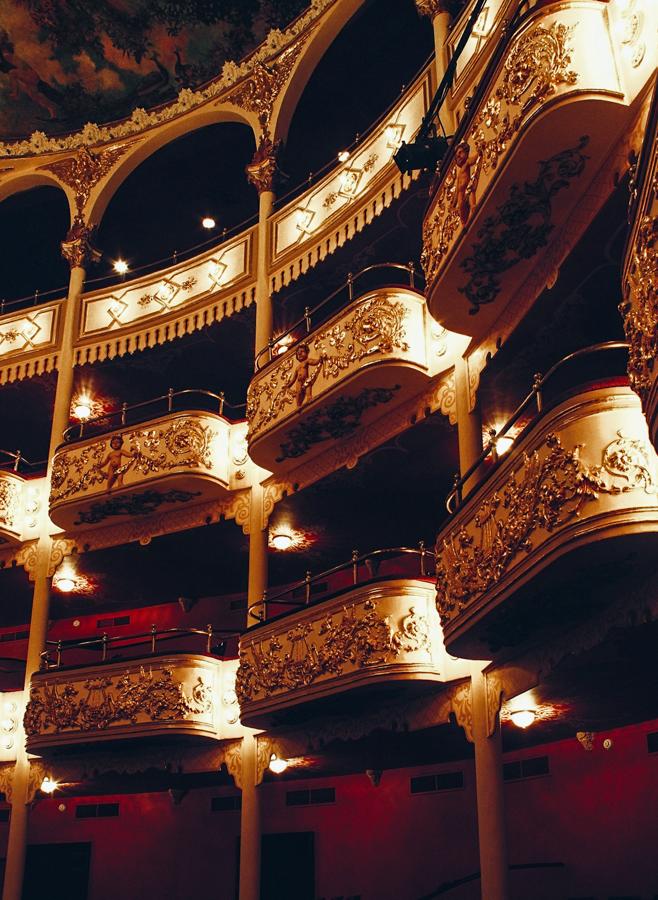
48,785
523,718
64,580
83,407
65,585
120,266
503,444
278,765
343,156
282,541
208,222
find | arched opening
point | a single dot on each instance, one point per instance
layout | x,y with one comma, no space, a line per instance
362,73
157,212
33,223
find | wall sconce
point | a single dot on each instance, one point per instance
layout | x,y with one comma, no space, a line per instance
523,718
277,765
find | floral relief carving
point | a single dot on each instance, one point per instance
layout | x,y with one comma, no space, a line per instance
105,701
640,307
85,169
10,497
101,466
324,647
538,63
547,490
376,326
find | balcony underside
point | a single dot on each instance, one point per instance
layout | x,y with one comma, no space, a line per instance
572,504
176,459
354,651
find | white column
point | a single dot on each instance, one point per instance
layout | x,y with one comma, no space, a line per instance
469,423
250,825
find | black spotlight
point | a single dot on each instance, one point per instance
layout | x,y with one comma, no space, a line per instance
424,153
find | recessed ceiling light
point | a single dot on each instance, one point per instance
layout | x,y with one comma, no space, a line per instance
120,266
65,584
208,222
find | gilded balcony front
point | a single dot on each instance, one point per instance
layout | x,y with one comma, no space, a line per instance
183,695
373,639
549,109
640,304
377,352
11,507
576,492
177,458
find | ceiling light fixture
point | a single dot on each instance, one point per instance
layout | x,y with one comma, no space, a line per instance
503,444
83,407
64,579
208,222
120,266
49,785
278,765
282,541
523,718
343,156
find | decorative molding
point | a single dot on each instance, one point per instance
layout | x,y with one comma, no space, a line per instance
232,759
536,65
263,166
77,247
7,771
433,8
84,170
639,308
548,489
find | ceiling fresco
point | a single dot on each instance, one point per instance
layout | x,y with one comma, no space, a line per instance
66,62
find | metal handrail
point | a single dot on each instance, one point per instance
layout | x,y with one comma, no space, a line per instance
76,432
353,563
538,383
103,642
307,318
14,459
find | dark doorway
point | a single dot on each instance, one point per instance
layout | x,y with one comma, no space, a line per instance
287,867
56,871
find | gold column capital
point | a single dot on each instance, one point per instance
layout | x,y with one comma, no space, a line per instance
77,248
432,8
262,169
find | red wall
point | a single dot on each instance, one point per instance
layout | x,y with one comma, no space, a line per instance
597,812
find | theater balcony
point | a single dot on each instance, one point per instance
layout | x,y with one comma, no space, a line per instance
20,498
151,456
361,633
551,105
329,374
164,684
542,527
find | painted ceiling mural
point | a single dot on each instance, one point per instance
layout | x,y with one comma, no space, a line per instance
67,62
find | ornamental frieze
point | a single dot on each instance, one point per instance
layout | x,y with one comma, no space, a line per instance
549,488
539,62
103,465
102,702
357,637
375,328
640,306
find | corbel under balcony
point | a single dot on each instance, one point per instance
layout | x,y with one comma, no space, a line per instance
573,499
377,352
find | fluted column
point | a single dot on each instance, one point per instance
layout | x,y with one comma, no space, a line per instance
78,251
489,786
261,172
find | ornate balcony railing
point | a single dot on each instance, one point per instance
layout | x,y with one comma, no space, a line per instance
379,636
20,498
547,94
577,488
124,470
640,279
378,351
186,695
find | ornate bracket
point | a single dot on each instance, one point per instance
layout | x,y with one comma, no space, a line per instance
262,169
77,248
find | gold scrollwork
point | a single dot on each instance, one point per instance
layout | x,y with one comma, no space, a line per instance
640,307
549,488
537,64
10,495
376,326
112,701
361,638
186,442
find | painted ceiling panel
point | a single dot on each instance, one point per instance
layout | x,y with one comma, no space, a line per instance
66,62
